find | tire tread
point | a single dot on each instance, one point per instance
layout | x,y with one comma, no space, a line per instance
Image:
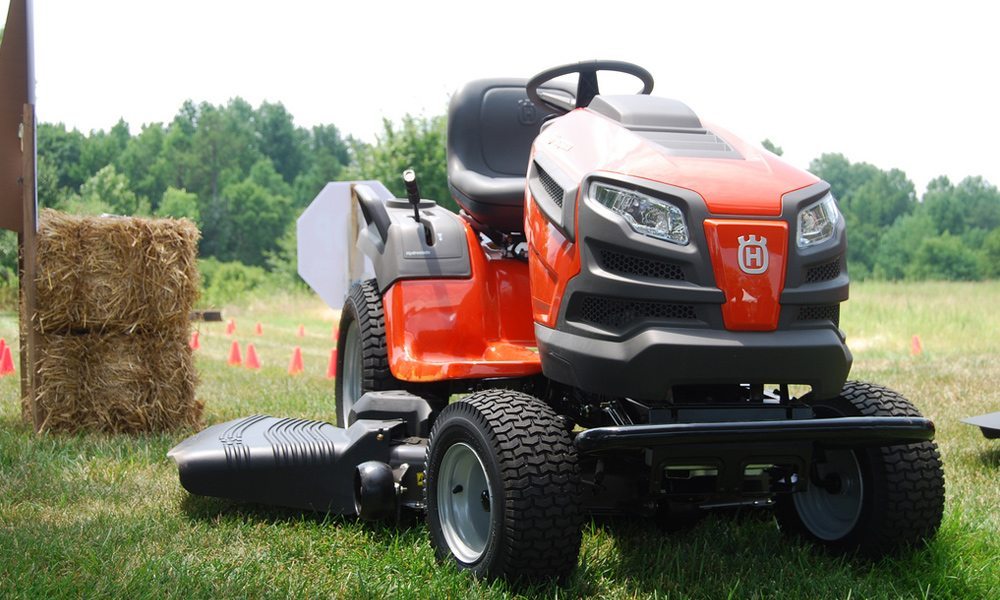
541,480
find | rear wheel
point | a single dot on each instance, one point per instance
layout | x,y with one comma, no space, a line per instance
362,356
503,488
872,500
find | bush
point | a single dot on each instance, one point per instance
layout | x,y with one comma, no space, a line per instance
228,282
8,270
945,257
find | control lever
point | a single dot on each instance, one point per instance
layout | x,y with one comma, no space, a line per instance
413,195
412,192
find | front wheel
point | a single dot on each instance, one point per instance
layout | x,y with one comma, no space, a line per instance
362,355
503,488
872,500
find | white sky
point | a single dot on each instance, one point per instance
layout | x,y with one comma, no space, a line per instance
892,83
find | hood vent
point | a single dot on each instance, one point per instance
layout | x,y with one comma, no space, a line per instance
697,143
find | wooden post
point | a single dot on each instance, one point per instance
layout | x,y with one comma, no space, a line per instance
355,259
18,192
26,271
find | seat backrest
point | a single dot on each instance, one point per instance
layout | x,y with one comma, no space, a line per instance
491,125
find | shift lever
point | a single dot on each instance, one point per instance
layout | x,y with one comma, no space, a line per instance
412,192
413,195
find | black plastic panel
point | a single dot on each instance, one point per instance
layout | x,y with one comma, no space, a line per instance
286,462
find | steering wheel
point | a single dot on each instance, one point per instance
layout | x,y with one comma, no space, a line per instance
586,87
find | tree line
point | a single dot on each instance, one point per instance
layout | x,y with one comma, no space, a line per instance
244,174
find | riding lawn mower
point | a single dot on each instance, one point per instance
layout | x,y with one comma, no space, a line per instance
635,312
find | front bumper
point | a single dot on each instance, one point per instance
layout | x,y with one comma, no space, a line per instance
646,365
842,432
728,449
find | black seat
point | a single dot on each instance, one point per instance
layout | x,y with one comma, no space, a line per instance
491,125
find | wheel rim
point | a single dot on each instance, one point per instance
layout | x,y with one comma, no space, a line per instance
353,377
830,512
465,502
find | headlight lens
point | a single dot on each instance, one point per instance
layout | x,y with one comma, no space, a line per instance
818,222
647,215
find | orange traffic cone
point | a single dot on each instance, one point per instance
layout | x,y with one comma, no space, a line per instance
195,341
259,330
302,331
331,368
3,344
295,366
235,359
252,361
6,362
916,349
231,327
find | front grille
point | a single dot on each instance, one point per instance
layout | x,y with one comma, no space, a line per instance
617,313
630,264
822,312
824,272
553,189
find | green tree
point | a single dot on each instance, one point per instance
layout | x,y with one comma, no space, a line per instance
871,200
417,143
142,163
973,204
900,243
106,192
991,254
283,261
179,203
257,220
50,195
280,140
103,148
63,149
772,147
8,258
327,156
945,257
247,219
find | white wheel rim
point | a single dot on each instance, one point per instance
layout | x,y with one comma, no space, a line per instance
831,515
350,388
465,502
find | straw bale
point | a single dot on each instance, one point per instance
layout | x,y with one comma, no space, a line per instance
114,274
116,383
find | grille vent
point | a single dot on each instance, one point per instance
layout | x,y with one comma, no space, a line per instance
824,272
823,312
553,189
617,313
630,264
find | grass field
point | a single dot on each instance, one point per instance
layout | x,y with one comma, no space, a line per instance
94,515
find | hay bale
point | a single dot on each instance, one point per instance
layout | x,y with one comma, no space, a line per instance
114,298
114,274
116,383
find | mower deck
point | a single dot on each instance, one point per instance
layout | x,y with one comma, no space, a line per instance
311,465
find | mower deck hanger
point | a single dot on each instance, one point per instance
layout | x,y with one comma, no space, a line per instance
624,301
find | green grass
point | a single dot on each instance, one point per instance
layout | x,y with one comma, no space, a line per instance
96,515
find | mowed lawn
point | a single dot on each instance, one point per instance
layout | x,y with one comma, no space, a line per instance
95,515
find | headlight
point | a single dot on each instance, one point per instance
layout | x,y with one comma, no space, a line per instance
645,214
817,222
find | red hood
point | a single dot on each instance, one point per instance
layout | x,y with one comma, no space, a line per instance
752,185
